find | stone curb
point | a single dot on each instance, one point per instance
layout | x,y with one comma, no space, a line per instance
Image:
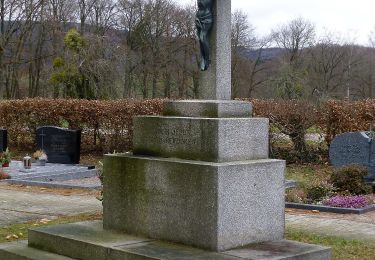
330,209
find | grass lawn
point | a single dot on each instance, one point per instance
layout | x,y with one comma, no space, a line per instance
305,174
342,248
19,231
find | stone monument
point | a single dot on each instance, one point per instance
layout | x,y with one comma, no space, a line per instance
354,148
199,184
3,140
61,145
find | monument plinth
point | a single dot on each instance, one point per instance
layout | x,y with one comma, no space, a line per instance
199,176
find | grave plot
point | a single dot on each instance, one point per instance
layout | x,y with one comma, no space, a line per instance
54,175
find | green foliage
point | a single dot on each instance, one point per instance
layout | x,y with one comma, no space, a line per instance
351,179
5,157
295,195
318,191
74,41
58,62
64,123
69,77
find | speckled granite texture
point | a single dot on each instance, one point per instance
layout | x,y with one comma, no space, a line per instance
215,206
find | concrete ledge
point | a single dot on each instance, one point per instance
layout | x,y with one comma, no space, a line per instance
88,241
330,209
203,139
20,251
208,108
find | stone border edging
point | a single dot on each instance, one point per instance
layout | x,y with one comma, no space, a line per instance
51,185
330,209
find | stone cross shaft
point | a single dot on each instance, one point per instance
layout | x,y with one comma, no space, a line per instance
215,83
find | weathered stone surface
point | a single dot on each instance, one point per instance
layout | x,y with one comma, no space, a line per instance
20,251
88,241
282,249
215,206
350,148
70,239
204,139
215,83
353,148
208,109
371,176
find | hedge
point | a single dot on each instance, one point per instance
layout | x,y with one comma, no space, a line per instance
107,125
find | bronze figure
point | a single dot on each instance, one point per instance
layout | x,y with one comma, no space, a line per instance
204,22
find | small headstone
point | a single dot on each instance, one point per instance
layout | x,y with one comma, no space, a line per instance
350,148
353,148
61,145
3,140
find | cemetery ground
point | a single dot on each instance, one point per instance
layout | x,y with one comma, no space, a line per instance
344,247
350,236
306,226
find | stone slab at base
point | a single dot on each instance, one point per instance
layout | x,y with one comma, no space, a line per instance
208,108
215,206
203,139
88,241
20,251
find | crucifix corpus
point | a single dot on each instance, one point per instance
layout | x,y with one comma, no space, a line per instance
213,22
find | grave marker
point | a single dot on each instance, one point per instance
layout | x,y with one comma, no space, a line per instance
61,145
3,140
353,148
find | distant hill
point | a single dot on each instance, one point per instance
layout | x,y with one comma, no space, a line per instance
267,53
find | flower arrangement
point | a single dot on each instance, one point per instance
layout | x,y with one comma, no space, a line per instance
5,158
40,155
355,202
3,175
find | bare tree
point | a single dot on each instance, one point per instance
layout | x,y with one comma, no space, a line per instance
294,37
242,38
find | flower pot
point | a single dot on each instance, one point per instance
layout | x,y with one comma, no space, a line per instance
5,165
41,162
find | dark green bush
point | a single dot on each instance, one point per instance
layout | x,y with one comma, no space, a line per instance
351,179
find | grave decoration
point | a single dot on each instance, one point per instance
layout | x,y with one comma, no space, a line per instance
60,145
40,158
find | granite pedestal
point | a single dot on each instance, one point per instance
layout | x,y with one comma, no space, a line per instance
215,206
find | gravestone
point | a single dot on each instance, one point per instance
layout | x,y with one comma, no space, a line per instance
61,145
3,140
353,148
199,177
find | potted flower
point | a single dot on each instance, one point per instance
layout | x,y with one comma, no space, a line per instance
4,175
40,157
6,158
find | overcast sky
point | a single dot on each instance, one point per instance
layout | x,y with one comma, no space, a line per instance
352,20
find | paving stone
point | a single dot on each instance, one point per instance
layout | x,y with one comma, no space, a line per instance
19,207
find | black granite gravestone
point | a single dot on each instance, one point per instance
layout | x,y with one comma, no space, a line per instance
353,148
61,145
3,140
